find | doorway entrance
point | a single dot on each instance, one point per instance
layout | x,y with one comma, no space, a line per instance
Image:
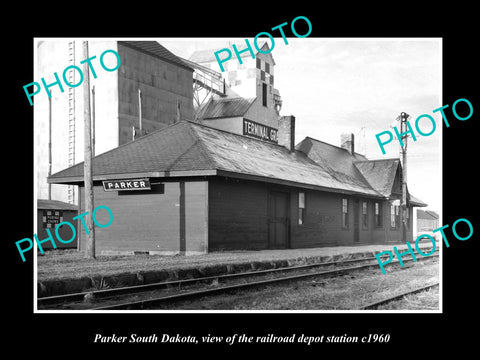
278,220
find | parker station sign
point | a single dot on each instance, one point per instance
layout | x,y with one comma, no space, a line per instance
130,184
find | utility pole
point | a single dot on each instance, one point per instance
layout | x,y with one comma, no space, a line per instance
50,144
403,149
93,120
87,168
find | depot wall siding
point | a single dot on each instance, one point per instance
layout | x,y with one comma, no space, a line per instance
196,217
238,217
168,221
322,221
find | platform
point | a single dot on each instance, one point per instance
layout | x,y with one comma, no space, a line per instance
66,271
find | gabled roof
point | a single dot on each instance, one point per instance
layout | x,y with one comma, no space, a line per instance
155,49
330,156
55,205
207,56
175,147
415,201
191,149
225,107
427,215
380,174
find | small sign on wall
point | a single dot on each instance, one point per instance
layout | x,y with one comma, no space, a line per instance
51,218
129,184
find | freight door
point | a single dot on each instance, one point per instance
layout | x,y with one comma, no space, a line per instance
356,221
278,220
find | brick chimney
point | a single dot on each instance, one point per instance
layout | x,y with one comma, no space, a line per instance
286,132
347,142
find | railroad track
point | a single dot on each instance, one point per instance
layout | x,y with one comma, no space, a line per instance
87,300
397,297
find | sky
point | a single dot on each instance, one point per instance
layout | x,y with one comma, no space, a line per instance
360,86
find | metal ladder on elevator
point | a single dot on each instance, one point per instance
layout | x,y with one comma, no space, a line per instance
71,118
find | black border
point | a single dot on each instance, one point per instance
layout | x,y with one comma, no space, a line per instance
411,334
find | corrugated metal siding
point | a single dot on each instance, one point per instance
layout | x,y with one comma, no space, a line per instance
155,49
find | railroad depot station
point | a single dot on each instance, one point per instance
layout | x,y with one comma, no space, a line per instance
191,160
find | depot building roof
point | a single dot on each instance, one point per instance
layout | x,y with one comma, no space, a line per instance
191,149
188,148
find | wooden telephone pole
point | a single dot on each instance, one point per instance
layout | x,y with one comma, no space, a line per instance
87,168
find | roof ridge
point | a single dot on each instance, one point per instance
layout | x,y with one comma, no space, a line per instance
365,180
200,143
335,146
376,160
238,135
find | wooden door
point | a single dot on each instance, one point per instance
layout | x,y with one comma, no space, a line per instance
278,220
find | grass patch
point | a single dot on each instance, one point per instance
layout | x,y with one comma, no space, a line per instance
340,293
67,263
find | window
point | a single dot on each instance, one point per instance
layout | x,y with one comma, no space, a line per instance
408,217
259,63
264,94
262,75
378,214
365,214
267,68
394,213
344,212
301,208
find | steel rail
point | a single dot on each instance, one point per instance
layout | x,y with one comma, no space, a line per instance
105,293
223,289
164,284
397,297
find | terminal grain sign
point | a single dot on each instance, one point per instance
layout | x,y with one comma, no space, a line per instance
260,131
